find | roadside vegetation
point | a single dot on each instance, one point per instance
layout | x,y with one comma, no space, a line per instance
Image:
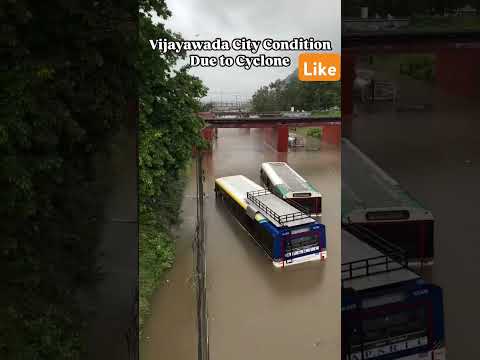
415,66
418,67
315,132
332,112
55,136
445,23
168,131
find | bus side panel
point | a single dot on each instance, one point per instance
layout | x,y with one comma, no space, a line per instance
323,237
264,236
438,315
318,205
259,231
265,180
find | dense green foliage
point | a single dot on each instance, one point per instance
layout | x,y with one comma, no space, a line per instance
315,132
64,89
281,95
418,67
168,130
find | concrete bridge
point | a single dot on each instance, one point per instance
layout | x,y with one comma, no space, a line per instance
457,60
275,125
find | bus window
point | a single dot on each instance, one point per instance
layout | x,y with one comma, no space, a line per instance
301,241
401,327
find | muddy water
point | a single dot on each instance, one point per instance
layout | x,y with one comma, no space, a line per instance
255,312
172,328
436,157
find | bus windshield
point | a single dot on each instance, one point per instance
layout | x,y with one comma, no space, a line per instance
302,243
389,332
303,240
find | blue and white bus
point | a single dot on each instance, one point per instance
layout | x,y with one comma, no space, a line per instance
287,235
371,198
388,310
286,183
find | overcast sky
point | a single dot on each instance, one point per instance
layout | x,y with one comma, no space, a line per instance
229,19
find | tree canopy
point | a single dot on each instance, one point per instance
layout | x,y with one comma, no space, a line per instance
169,129
67,79
281,95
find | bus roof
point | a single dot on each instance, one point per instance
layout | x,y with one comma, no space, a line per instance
282,173
366,188
276,210
237,187
355,253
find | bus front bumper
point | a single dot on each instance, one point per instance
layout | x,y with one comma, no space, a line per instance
301,259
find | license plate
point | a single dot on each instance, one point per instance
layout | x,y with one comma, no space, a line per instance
302,251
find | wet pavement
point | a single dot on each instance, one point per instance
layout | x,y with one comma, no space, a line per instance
436,157
255,311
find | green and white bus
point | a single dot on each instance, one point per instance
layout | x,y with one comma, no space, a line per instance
287,184
371,198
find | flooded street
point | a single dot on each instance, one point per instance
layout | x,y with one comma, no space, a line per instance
172,332
255,311
436,157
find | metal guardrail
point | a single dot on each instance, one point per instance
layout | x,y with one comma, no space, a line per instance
393,257
374,240
368,264
253,196
201,268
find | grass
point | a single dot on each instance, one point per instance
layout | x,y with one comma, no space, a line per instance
156,256
157,244
416,66
309,131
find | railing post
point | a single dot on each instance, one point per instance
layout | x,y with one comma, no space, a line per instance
201,268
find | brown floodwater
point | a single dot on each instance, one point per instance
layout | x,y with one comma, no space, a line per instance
255,311
436,157
171,332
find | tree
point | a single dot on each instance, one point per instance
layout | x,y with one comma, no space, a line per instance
69,75
281,95
169,129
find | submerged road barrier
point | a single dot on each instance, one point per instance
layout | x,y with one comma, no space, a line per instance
201,267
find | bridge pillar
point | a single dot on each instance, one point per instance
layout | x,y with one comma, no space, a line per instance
277,138
457,71
348,76
208,134
282,138
332,134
